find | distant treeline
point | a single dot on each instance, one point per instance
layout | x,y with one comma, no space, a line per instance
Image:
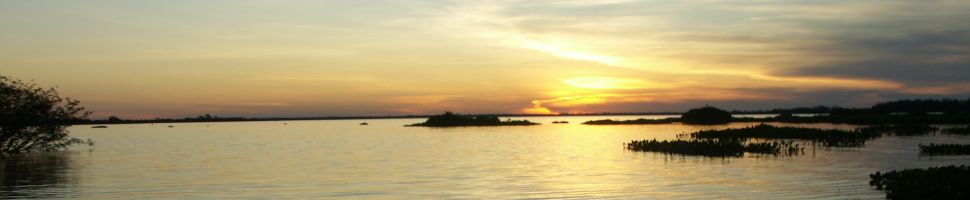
947,110
917,106
213,118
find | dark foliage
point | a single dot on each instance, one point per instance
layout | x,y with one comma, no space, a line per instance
636,121
712,148
949,182
35,119
946,106
876,119
706,115
832,138
450,119
689,147
944,149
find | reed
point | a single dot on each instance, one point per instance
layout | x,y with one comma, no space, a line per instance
629,122
948,182
831,138
713,148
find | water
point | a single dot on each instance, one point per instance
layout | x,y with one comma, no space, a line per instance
384,160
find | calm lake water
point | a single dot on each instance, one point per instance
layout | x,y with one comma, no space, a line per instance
384,160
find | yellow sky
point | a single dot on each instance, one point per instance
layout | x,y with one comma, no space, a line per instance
314,58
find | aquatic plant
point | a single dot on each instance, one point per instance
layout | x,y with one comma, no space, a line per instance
635,121
948,182
689,147
713,148
944,149
832,138
963,130
449,119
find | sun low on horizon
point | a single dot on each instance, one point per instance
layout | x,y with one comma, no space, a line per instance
149,59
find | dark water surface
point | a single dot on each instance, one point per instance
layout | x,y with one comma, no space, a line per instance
341,159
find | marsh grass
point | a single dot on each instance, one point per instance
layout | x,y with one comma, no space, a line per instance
949,182
830,138
714,148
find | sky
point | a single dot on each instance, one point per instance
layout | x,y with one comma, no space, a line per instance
291,58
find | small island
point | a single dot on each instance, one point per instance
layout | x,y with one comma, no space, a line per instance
706,115
449,119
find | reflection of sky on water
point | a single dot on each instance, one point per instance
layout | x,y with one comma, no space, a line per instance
340,158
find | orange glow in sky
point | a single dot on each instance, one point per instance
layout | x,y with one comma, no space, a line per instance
311,58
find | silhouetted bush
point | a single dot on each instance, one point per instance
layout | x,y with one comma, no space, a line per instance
944,149
833,138
713,148
635,121
949,182
706,115
35,119
964,130
450,119
923,106
691,147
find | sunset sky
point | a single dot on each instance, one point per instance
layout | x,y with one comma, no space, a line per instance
175,58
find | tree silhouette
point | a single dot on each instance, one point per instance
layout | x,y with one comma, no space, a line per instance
35,119
706,115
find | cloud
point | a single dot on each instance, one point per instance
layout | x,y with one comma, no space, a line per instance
922,58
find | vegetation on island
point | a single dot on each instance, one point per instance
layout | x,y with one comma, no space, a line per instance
948,182
706,115
944,149
449,119
944,111
783,140
736,141
713,148
826,137
34,118
636,121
